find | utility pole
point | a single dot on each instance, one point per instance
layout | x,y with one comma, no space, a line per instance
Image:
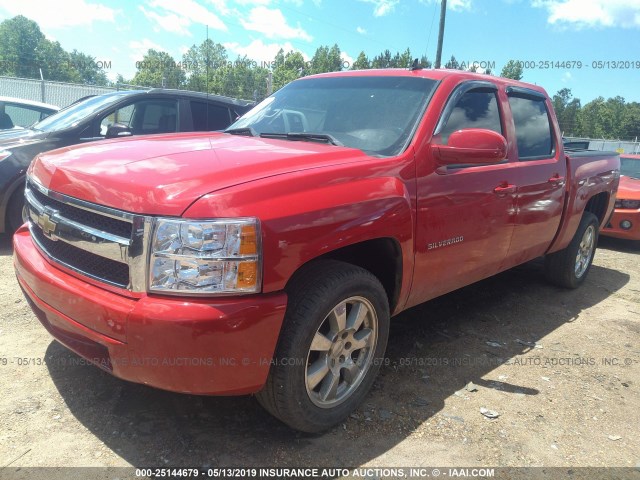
443,12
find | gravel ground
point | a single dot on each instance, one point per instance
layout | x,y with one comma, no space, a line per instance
560,368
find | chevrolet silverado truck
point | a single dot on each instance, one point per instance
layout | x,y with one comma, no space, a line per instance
269,258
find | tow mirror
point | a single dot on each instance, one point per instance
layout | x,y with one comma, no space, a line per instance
472,146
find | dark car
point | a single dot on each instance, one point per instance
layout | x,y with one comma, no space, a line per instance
110,115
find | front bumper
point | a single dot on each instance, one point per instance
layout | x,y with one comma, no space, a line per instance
199,346
613,228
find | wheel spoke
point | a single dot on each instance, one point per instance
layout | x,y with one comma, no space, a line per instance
351,372
317,372
362,338
338,318
320,343
357,316
329,387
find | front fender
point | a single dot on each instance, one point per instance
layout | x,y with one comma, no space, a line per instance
308,214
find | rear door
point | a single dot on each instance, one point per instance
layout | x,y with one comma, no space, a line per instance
540,176
465,213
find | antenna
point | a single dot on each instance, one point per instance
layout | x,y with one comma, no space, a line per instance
207,75
443,13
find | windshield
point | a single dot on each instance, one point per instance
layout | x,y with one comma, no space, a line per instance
630,167
71,115
375,114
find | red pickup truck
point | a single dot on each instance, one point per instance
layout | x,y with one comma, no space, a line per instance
269,259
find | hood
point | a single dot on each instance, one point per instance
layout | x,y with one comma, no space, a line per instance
629,188
16,137
165,174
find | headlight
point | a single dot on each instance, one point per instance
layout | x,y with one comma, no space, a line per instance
630,204
205,257
4,154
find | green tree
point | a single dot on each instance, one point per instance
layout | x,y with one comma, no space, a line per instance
453,64
630,122
287,68
513,70
55,62
19,42
567,109
383,60
361,63
88,69
326,60
159,69
206,66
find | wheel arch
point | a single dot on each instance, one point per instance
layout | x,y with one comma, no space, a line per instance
382,257
598,205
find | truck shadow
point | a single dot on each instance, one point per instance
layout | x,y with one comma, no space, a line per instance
434,351
619,245
6,246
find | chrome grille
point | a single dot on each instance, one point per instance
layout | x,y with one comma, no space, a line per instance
85,217
104,244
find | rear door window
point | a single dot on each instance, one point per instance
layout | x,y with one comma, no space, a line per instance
533,127
207,117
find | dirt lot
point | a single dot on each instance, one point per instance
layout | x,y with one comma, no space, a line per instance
560,367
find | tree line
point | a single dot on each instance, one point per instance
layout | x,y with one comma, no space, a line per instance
25,52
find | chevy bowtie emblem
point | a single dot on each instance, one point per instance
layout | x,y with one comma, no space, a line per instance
47,225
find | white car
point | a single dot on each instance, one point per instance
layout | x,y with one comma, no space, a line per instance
16,113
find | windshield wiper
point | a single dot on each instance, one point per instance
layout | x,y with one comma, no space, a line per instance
308,136
242,131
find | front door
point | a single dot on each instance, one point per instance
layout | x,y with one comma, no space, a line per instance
465,213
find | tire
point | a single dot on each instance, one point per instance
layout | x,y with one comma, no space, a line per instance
14,212
568,268
335,333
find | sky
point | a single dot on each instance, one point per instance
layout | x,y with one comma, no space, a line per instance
589,46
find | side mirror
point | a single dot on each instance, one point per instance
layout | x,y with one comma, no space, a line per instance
472,146
118,130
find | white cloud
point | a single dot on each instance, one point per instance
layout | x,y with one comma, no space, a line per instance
361,30
140,47
455,5
168,22
73,13
261,52
592,13
566,77
272,24
253,2
382,7
177,17
346,59
459,5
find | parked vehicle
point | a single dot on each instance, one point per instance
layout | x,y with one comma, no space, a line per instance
270,258
17,113
110,115
625,222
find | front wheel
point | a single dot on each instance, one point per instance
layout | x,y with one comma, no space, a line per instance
569,267
331,346
14,212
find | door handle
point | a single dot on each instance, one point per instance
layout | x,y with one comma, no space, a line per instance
557,180
504,188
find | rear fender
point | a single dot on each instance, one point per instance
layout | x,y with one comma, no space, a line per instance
589,176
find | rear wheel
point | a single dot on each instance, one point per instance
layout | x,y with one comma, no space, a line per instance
331,346
569,267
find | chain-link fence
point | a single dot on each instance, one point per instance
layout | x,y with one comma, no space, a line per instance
620,146
54,93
